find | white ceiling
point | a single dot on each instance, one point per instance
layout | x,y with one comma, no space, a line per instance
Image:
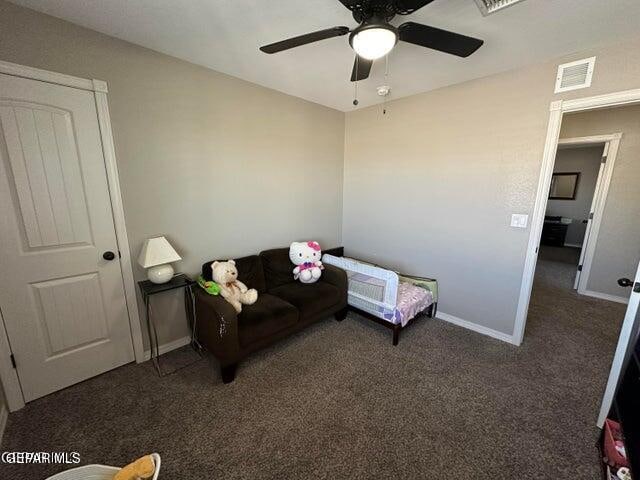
225,35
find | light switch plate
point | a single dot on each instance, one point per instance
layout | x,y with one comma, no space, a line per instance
519,220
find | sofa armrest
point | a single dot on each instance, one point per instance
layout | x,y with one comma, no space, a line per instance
338,278
217,326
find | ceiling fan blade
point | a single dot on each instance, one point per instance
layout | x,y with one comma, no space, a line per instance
361,69
405,7
442,40
304,39
401,7
351,4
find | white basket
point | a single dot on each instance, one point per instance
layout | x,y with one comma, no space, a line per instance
99,472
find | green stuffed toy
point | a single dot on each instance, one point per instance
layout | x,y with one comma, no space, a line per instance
212,288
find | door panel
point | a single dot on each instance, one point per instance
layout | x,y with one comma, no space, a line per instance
63,304
47,175
71,313
628,335
588,231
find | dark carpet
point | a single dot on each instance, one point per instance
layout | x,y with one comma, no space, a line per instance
339,401
556,269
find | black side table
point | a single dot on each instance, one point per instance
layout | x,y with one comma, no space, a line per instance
149,289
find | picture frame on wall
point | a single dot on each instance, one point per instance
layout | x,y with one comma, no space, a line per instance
564,186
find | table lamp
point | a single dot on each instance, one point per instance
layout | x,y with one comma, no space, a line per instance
157,255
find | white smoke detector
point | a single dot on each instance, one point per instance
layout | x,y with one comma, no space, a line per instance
384,90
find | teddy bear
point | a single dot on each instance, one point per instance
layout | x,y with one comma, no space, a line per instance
306,256
225,274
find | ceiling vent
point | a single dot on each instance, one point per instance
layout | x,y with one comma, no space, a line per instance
575,75
487,7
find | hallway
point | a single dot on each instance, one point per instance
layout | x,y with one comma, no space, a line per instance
557,267
556,307
583,327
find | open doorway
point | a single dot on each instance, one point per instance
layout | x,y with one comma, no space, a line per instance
576,200
582,258
568,213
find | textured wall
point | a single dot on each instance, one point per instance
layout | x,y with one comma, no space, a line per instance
221,166
587,162
618,249
430,187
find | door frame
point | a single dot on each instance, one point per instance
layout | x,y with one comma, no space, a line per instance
587,251
8,374
556,111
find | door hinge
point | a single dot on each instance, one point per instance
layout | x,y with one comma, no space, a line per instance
579,268
636,287
591,216
13,361
604,159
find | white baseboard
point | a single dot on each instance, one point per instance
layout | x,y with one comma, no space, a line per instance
476,328
604,296
167,347
4,416
574,245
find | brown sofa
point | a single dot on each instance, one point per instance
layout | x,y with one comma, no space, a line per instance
284,306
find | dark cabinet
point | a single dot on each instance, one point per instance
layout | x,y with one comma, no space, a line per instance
554,233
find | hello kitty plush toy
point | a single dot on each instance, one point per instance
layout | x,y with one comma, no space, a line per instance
306,255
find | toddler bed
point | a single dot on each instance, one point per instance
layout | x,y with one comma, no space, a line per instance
388,298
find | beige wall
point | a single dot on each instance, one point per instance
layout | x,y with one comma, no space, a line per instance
586,161
431,185
221,166
618,249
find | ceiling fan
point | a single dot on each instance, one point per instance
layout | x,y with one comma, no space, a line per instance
375,36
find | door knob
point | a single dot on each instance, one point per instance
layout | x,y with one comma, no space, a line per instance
108,255
624,282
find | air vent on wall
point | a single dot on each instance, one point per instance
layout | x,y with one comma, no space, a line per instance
575,75
487,7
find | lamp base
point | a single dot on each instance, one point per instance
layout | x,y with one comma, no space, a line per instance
160,273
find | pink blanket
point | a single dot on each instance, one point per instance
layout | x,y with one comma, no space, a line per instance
411,300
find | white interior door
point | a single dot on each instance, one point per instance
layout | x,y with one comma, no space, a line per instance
628,334
594,201
63,303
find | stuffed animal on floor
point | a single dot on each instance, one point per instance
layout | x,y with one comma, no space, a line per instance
306,256
225,274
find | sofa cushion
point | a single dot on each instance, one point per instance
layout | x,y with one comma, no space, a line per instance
250,272
264,318
278,269
309,298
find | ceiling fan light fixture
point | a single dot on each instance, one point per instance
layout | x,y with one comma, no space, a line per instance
373,41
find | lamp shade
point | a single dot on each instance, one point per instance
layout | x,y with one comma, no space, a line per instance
157,251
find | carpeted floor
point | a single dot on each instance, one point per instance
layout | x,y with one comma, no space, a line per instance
339,401
557,268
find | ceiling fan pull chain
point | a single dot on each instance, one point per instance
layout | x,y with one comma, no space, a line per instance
386,82
355,84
